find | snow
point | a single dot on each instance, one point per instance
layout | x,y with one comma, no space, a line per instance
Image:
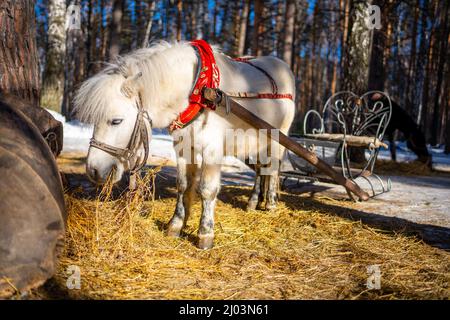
78,134
441,161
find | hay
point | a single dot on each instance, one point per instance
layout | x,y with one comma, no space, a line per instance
298,251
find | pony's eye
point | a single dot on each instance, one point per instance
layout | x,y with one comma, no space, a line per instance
116,122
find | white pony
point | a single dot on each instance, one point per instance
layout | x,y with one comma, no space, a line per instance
162,76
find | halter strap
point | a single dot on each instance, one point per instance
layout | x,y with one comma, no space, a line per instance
139,136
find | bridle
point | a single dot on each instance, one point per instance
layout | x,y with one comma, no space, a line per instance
139,137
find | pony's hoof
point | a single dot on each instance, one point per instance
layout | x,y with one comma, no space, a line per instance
270,206
205,242
173,232
174,228
260,206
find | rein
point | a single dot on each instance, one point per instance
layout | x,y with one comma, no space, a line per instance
139,137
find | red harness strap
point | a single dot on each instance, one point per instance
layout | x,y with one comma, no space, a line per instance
208,76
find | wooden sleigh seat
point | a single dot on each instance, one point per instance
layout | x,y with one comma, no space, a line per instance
348,126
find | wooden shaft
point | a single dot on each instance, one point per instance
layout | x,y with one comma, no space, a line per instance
350,140
214,96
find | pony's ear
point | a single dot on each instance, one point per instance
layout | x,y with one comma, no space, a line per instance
129,86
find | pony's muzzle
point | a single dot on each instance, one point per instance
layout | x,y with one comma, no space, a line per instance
95,176
100,174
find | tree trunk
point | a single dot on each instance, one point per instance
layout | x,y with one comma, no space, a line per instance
243,28
214,24
225,16
104,30
179,19
357,53
116,29
426,86
376,68
387,48
289,32
345,5
91,35
149,24
447,100
19,63
279,24
357,49
205,20
447,125
73,67
444,32
53,78
339,16
412,59
235,26
256,27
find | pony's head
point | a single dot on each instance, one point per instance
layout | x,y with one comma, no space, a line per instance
110,100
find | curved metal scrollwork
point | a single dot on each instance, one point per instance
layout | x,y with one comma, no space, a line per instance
351,115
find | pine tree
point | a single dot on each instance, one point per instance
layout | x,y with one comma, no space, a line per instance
19,63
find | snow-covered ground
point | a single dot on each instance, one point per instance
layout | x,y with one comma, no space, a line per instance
441,161
77,136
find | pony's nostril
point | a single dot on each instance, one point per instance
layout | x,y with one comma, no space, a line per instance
93,173
96,175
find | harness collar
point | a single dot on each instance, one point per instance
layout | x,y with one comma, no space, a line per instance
207,75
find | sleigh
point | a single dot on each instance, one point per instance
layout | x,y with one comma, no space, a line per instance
347,135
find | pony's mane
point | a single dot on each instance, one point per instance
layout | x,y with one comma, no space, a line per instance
94,95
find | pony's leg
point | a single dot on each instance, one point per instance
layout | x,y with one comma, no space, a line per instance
186,184
262,192
256,192
255,196
270,185
208,189
272,190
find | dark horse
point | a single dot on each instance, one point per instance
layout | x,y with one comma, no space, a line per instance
415,139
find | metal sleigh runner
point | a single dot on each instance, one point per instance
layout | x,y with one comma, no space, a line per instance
349,128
